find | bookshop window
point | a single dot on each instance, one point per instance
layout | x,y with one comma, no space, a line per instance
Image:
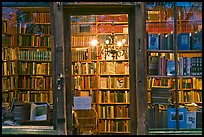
100,68
162,57
26,55
189,42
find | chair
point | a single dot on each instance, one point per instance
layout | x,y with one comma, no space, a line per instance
87,121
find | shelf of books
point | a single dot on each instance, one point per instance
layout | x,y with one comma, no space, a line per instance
9,59
34,57
100,73
27,56
161,63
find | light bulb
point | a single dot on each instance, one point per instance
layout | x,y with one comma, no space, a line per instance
107,42
94,42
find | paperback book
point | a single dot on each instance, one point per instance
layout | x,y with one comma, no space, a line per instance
153,41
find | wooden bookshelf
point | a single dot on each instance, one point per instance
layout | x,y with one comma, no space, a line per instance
106,80
34,57
9,59
162,56
26,56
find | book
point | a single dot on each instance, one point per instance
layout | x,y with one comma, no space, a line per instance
196,41
153,65
172,117
153,41
191,119
170,68
183,41
39,111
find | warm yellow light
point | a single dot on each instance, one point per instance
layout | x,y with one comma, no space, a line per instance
94,42
123,41
119,43
107,42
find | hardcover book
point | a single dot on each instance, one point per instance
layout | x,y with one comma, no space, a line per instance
183,41
191,119
170,68
172,117
196,41
153,41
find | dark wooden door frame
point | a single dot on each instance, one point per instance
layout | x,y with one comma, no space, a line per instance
137,43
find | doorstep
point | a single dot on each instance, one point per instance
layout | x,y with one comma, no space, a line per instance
33,130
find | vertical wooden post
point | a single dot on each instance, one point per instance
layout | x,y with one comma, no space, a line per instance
57,33
141,77
132,69
176,64
68,70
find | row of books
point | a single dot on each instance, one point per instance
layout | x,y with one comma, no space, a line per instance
114,126
9,83
7,39
165,28
84,54
8,68
84,18
83,28
161,66
28,96
114,67
108,28
9,54
35,82
186,41
34,55
114,82
34,68
167,118
79,68
24,28
34,41
7,96
84,82
113,96
34,17
190,66
100,18
190,83
183,83
190,96
113,111
82,40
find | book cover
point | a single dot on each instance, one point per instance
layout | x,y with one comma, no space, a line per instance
172,117
153,41
196,41
170,68
191,119
120,68
183,41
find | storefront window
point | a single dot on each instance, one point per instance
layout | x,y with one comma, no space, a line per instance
174,70
26,60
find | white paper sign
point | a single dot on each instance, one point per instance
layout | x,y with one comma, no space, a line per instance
81,103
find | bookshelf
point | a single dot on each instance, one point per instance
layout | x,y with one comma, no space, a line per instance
94,73
162,56
9,59
27,55
34,57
